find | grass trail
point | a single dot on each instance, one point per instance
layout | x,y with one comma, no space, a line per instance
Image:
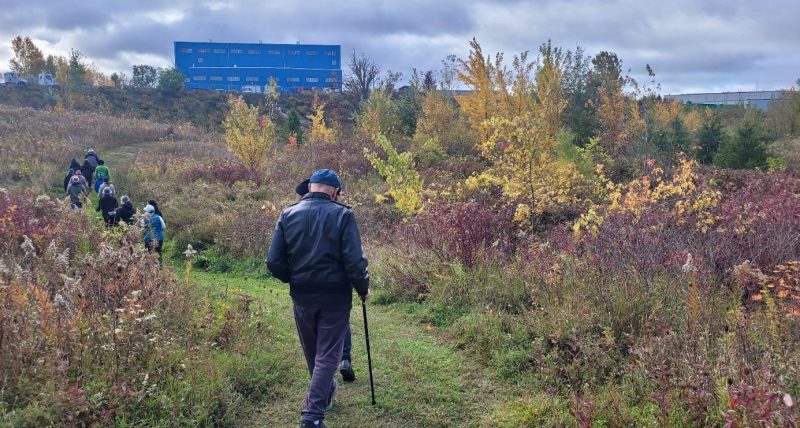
419,380
125,154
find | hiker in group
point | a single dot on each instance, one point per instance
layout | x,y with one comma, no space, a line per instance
100,172
73,165
316,248
107,185
87,170
76,192
154,204
107,206
82,179
125,212
91,156
345,365
154,227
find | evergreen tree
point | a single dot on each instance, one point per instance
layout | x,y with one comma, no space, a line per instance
409,107
76,70
293,127
579,90
747,151
710,137
673,139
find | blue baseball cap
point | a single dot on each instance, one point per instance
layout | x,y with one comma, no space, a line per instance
326,176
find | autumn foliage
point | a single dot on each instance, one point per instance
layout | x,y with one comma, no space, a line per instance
249,135
93,332
563,224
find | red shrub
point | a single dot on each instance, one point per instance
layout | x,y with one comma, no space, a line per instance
758,220
42,220
464,231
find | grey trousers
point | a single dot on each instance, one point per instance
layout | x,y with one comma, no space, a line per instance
322,331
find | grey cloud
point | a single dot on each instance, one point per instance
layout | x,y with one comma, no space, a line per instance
710,44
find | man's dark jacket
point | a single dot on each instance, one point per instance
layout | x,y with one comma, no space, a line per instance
87,170
106,204
316,248
125,212
73,165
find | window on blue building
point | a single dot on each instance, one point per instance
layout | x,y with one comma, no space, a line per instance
186,50
293,52
254,51
292,79
312,53
204,50
233,78
216,78
219,51
199,78
237,51
274,52
312,79
199,60
251,78
330,53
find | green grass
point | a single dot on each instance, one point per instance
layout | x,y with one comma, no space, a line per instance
420,380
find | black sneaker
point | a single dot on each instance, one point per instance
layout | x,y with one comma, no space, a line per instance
346,369
316,424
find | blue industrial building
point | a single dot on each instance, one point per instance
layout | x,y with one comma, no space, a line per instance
232,66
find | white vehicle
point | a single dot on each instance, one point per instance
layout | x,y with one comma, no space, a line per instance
11,78
252,89
46,79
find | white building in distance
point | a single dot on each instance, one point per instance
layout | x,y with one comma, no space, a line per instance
757,99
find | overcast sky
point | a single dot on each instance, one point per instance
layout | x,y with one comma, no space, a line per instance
692,45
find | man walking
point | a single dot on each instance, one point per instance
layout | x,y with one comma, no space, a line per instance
101,172
77,192
345,366
316,248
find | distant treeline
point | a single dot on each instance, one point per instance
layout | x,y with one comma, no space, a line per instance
201,108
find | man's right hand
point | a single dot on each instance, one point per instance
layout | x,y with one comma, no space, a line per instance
366,297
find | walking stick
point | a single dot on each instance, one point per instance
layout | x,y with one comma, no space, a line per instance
369,354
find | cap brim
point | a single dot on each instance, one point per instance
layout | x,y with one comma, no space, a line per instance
302,187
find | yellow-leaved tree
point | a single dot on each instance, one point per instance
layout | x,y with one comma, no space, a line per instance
320,134
520,135
249,136
405,186
440,130
481,75
378,115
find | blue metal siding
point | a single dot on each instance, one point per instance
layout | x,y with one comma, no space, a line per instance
229,66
